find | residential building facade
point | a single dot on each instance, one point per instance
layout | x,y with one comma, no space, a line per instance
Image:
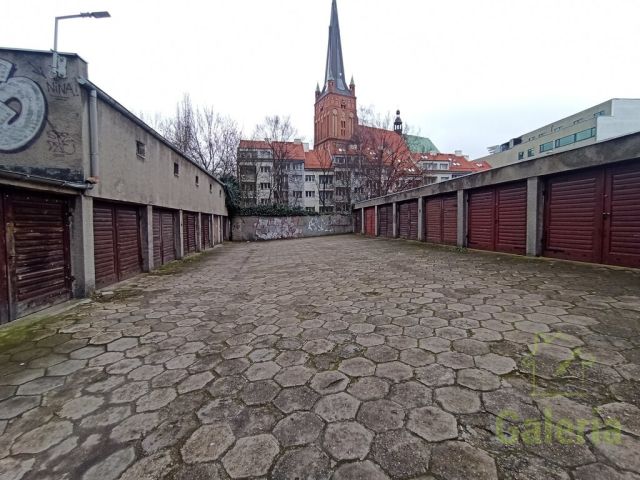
90,194
607,120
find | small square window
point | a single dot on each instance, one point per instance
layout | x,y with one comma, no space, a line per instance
176,169
141,149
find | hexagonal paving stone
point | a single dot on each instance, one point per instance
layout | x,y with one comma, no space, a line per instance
435,344
369,388
303,463
401,454
382,353
294,376
478,379
14,406
435,375
357,367
432,424
459,460
336,407
347,440
458,400
411,394
381,415
298,428
455,360
295,398
42,438
329,382
219,409
497,364
319,346
260,392
366,470
416,357
251,456
261,371
394,371
207,443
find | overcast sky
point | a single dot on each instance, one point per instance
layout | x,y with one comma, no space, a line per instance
466,73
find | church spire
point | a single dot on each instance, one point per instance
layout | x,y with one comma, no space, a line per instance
334,71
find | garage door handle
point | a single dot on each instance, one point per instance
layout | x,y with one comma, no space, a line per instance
606,214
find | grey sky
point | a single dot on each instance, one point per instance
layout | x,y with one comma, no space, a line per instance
467,73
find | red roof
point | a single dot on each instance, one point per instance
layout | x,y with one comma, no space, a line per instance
295,150
457,163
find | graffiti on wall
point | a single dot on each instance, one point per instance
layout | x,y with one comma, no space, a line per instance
23,110
60,143
273,228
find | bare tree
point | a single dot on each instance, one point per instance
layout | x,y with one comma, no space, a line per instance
324,180
206,136
278,134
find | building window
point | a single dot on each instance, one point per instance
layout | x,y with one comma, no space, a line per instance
585,134
310,194
564,141
197,181
309,178
265,186
520,155
545,147
530,152
444,166
176,169
265,169
310,209
140,149
297,194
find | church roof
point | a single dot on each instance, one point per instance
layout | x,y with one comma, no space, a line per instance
335,66
420,144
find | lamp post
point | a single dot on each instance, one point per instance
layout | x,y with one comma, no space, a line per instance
56,67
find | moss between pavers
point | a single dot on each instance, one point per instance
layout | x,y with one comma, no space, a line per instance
20,331
178,266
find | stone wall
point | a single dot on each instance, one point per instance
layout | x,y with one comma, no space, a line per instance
273,228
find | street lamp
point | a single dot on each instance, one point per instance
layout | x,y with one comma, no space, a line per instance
58,69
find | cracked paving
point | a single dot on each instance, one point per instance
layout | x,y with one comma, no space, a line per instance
338,357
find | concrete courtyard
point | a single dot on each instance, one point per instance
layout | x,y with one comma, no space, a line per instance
338,357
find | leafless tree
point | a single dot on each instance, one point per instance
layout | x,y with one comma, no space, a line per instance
324,180
208,137
277,132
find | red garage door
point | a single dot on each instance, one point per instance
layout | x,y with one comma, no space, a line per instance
117,246
408,220
189,221
164,236
35,270
385,220
498,218
370,221
206,230
593,215
441,219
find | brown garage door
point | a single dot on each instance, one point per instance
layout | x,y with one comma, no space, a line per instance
117,246
370,221
593,215
357,221
35,265
441,219
189,232
164,236
385,222
497,218
408,220
206,230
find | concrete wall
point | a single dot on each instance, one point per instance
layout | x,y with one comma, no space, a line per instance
41,117
273,228
149,180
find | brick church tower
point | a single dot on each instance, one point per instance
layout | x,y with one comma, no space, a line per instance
336,116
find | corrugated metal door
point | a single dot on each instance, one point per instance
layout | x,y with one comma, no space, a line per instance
37,251
4,271
157,238
498,218
511,218
129,248
622,215
104,250
573,216
441,219
481,232
384,220
413,220
370,221
167,219
404,222
206,230
357,221
189,232
117,244
450,220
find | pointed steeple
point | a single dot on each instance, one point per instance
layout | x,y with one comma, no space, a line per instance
334,71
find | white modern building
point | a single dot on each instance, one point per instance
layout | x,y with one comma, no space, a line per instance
613,118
